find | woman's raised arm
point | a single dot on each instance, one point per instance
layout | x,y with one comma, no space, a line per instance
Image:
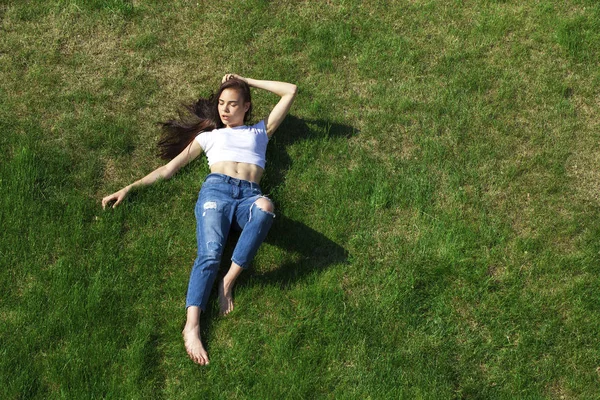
287,92
166,171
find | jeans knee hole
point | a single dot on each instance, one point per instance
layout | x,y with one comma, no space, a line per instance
269,204
270,213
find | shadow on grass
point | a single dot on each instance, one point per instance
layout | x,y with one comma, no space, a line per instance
313,251
316,252
291,131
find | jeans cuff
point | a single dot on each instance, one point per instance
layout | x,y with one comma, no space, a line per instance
240,264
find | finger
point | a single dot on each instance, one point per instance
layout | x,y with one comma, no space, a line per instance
117,202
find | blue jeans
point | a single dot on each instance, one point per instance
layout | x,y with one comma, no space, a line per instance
225,202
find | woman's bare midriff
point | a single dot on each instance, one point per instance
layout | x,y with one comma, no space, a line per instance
239,170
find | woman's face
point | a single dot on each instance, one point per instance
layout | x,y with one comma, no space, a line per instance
232,108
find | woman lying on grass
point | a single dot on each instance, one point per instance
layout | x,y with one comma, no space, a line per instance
230,196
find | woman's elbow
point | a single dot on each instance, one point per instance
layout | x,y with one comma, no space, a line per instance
293,90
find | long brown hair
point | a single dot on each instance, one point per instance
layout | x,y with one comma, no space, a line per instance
200,116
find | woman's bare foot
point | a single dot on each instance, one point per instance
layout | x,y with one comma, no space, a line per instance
191,336
193,345
225,298
226,289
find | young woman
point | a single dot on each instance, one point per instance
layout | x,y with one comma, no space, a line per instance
230,196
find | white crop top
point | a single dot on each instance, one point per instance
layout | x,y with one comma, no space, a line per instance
247,144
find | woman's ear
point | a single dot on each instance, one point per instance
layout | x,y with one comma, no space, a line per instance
246,106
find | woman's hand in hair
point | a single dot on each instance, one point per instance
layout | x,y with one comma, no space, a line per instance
227,77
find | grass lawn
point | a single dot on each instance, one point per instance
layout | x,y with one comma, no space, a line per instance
437,186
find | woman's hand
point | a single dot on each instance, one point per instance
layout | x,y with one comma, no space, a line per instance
117,197
227,77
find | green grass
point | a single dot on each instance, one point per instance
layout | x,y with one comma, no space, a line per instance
436,186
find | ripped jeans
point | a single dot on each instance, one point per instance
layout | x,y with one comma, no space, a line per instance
225,202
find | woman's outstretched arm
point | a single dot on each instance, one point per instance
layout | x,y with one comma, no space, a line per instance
166,171
287,92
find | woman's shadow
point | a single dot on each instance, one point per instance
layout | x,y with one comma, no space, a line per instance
291,131
316,251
